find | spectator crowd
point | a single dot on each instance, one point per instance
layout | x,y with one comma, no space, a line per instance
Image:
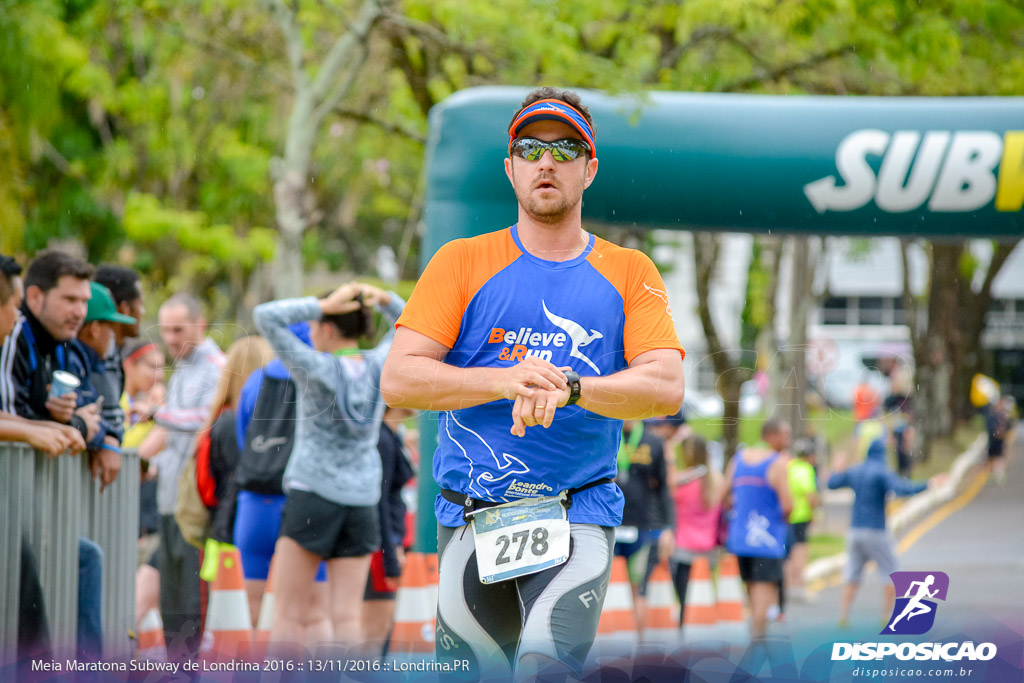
221,437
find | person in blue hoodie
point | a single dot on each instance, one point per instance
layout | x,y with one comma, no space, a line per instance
872,481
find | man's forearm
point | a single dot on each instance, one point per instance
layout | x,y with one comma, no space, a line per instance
636,393
424,383
13,428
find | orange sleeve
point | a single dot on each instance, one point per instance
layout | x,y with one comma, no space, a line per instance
649,322
450,281
438,302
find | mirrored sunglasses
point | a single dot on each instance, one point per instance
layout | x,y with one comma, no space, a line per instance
533,149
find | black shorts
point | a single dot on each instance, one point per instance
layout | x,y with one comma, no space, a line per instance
760,569
327,529
799,532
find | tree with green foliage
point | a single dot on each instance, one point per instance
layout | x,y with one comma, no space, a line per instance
200,140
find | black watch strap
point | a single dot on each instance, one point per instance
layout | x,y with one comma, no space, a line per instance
574,387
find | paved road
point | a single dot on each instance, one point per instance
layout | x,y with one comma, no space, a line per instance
978,541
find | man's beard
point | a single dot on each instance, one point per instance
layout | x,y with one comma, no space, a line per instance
547,211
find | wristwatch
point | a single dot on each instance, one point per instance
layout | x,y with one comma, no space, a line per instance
574,387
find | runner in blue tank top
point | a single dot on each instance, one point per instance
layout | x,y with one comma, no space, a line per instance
760,499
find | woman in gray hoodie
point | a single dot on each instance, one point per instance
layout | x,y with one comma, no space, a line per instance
332,480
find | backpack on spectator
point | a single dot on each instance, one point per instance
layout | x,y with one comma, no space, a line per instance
190,513
269,438
196,493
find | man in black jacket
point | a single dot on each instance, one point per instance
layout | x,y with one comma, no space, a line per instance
56,300
57,293
49,437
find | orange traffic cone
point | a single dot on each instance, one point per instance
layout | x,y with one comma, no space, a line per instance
616,631
732,618
151,636
228,633
415,605
662,619
699,613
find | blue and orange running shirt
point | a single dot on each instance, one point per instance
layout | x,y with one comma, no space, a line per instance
494,304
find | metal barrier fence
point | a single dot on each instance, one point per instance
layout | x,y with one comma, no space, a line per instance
50,502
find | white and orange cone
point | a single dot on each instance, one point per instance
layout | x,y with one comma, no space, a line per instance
416,606
616,631
732,616
662,622
266,617
228,633
700,613
151,637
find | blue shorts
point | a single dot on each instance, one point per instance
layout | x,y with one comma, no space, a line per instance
645,538
257,526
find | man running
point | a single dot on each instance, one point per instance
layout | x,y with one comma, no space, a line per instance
868,539
534,343
915,606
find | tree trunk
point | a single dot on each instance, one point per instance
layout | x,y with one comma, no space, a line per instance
767,343
932,346
973,307
294,204
730,375
795,352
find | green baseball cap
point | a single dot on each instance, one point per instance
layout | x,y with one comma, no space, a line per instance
102,307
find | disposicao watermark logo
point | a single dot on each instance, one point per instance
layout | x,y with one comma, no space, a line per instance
913,615
914,612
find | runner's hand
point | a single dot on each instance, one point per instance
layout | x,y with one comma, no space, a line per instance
523,379
373,296
342,300
839,461
539,409
666,544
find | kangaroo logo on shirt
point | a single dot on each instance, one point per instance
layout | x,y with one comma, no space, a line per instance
577,334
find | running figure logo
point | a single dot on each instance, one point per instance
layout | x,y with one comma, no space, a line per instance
914,612
758,535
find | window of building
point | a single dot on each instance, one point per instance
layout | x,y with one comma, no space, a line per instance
833,311
899,316
871,310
